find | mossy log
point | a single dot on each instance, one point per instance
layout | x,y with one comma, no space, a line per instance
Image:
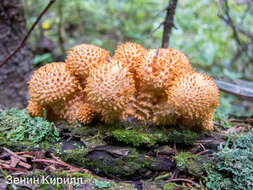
121,151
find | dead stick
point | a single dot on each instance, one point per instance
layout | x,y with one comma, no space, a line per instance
28,34
14,154
185,180
56,162
14,169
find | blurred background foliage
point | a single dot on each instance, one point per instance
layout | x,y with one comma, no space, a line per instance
205,38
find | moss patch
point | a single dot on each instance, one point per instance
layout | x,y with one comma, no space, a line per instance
137,135
190,163
174,186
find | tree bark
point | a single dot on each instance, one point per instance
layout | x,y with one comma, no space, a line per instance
168,23
14,74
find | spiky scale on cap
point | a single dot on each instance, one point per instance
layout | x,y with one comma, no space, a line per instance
69,110
193,97
109,88
52,83
84,56
85,114
161,66
130,54
34,109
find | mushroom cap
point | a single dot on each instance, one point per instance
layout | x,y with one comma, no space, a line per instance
85,114
130,54
34,109
84,56
142,106
74,108
109,88
162,66
52,83
193,98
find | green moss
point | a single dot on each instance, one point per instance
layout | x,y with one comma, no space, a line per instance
126,166
131,134
137,138
75,174
75,156
123,166
174,186
190,163
137,135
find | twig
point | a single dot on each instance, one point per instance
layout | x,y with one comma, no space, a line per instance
168,23
57,162
185,180
27,35
157,27
203,152
229,21
14,154
243,47
14,169
174,174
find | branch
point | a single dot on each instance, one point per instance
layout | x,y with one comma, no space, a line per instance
59,27
184,180
28,34
243,47
238,90
227,18
168,23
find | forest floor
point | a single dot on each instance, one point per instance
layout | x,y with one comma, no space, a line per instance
36,154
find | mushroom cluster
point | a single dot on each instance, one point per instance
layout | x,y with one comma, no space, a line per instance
156,86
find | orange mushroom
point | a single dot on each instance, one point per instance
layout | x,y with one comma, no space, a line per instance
84,56
109,88
54,88
193,98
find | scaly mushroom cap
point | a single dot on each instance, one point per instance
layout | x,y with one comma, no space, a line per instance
161,66
130,54
142,107
75,108
52,83
82,57
85,114
109,88
193,97
34,109
163,113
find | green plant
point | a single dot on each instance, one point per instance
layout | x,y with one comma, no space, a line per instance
102,184
18,125
42,59
234,168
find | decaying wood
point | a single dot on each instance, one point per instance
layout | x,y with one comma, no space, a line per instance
236,89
